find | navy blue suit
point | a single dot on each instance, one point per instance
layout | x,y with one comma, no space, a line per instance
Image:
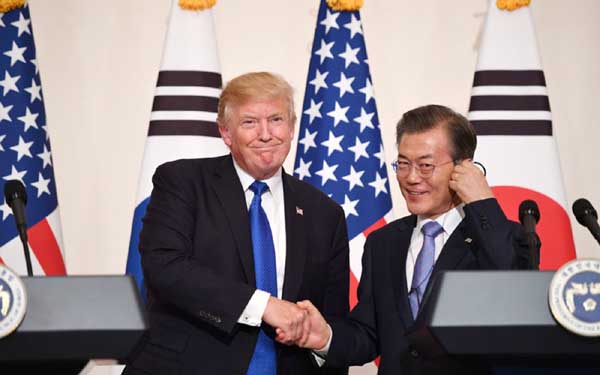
198,265
382,317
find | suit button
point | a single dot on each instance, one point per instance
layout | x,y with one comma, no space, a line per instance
414,353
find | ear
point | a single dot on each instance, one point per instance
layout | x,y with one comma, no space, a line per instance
292,130
225,133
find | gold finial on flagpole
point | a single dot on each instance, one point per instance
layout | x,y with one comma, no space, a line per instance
512,4
8,5
345,5
196,4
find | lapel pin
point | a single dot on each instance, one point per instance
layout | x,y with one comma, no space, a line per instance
468,240
299,211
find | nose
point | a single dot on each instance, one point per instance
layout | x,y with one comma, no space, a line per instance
413,176
264,131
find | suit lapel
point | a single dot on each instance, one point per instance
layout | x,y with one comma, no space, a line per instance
455,249
230,193
295,240
398,249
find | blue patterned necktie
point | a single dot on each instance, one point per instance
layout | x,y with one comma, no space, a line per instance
423,265
264,359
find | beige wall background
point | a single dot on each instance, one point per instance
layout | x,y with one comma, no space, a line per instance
99,62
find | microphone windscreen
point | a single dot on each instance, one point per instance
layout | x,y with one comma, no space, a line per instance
529,207
14,189
581,208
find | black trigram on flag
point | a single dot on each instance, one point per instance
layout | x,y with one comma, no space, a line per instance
186,103
510,102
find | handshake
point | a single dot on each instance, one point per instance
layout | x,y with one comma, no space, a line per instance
298,323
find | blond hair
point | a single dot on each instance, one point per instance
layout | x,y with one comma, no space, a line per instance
255,86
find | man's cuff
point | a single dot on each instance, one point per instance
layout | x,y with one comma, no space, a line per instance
321,354
254,310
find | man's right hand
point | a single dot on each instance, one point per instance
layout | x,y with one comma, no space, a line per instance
469,183
319,334
288,318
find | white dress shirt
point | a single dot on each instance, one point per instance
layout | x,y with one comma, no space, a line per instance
273,205
448,221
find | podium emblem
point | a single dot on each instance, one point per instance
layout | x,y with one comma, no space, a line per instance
574,297
13,301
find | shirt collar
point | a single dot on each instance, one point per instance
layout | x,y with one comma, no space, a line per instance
449,220
274,182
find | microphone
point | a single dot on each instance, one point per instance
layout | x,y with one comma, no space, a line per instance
16,198
529,216
587,216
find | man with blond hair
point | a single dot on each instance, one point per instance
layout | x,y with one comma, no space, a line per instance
229,244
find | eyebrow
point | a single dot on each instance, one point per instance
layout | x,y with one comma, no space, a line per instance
254,116
427,156
247,116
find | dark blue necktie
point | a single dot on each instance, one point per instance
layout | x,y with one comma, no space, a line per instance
423,265
264,359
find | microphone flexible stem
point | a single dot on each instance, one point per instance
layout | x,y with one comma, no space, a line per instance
22,229
533,242
591,224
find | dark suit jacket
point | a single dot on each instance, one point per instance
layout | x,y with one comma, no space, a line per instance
198,265
381,318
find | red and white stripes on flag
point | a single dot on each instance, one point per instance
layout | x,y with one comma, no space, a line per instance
45,244
184,112
510,111
25,152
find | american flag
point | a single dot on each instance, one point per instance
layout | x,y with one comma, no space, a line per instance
339,144
25,152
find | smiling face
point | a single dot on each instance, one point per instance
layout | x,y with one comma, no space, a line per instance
259,134
429,197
